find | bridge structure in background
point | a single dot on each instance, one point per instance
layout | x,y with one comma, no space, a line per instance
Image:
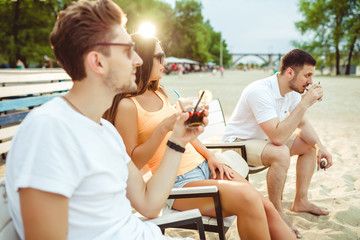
271,58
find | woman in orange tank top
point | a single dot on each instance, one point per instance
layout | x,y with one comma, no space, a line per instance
146,118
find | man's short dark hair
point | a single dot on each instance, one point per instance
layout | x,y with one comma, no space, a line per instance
296,59
77,30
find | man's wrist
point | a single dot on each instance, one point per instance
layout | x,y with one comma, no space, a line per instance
318,146
303,106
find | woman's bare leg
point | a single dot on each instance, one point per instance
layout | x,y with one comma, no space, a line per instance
277,227
238,199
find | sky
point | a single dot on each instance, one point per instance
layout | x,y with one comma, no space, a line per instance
253,26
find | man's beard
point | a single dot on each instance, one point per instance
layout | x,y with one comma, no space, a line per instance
131,86
292,84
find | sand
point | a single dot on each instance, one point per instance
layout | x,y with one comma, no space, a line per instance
337,122
336,119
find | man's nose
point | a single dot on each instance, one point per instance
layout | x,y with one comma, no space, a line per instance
137,60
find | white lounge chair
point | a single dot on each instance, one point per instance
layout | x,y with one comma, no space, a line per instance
8,232
215,129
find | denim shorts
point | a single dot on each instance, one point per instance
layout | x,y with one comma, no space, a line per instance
201,172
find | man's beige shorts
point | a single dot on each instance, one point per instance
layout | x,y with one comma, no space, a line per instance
254,149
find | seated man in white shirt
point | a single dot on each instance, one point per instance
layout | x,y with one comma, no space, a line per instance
265,119
68,175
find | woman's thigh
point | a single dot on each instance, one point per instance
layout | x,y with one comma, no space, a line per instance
231,192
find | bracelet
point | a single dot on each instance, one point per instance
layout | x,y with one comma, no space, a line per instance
174,146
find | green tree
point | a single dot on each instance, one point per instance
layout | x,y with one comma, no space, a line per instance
334,29
190,37
182,30
352,25
214,47
26,25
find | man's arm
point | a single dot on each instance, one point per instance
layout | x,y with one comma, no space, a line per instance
308,135
278,132
149,198
44,214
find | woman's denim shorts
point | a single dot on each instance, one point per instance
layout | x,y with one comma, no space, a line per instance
201,172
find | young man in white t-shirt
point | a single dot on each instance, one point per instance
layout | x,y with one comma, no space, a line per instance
265,118
68,175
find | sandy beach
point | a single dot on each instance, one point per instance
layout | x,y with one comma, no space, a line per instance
337,121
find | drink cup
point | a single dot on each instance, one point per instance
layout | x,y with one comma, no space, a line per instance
323,163
196,116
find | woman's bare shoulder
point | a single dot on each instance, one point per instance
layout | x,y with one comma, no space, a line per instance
126,104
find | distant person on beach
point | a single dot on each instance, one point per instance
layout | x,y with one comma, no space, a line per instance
322,69
20,64
214,71
68,175
180,70
222,71
48,62
145,120
4,65
265,119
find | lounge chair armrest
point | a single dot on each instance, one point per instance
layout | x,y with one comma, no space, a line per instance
228,146
179,219
201,192
175,217
224,145
194,190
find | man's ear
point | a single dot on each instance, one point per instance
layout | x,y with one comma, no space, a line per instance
290,72
96,62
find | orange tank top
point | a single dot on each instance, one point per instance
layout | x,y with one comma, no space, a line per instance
148,121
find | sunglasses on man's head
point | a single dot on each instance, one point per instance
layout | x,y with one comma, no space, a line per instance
160,56
130,45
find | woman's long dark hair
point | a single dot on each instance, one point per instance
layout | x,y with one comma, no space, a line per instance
144,47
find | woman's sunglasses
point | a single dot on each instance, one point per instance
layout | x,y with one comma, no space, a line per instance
160,56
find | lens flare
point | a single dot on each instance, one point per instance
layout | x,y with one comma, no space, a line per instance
147,29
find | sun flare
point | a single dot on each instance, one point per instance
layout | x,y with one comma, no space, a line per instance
147,29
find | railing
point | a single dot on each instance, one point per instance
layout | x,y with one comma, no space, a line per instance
23,90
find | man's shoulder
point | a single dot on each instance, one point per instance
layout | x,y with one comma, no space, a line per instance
51,115
50,109
261,84
258,87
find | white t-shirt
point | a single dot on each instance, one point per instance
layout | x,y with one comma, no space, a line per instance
58,150
260,101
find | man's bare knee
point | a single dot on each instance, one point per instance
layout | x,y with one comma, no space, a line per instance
276,155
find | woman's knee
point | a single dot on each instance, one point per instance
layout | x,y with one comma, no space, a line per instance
241,200
268,206
246,195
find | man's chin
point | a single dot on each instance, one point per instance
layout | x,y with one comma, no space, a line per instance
132,90
129,89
